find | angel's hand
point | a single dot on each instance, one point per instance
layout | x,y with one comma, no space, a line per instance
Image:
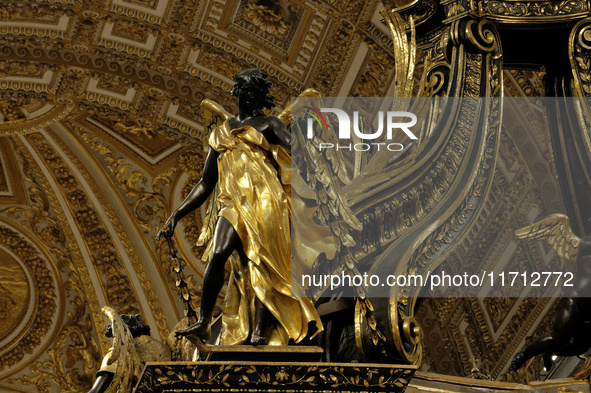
168,229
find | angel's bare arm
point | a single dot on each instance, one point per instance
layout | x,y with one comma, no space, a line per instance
197,196
281,131
102,382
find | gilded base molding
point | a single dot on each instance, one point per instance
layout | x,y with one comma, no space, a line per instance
277,377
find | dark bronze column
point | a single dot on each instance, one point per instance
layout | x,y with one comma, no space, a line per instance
569,121
433,203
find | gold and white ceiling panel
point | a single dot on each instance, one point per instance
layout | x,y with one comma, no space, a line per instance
12,186
26,21
152,11
89,182
59,306
190,49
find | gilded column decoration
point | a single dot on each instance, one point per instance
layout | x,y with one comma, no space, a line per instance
540,10
580,57
492,327
570,119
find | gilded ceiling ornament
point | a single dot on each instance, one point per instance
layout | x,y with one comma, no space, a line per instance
5,16
145,210
266,15
74,356
15,292
10,112
134,129
124,237
191,163
105,256
33,319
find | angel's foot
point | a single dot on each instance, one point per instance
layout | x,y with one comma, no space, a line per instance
257,339
517,361
197,331
260,333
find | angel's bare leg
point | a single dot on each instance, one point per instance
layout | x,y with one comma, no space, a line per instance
102,382
225,241
262,320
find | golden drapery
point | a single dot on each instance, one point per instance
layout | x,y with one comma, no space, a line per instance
254,194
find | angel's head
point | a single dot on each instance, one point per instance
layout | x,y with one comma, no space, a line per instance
134,324
252,89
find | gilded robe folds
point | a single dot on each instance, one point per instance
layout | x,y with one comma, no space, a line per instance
254,194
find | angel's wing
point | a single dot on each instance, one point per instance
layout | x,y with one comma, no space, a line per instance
556,229
323,171
285,115
122,354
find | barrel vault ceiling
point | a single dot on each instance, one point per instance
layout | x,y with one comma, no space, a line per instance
101,138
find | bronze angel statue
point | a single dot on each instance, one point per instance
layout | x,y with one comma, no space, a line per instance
248,175
132,346
570,334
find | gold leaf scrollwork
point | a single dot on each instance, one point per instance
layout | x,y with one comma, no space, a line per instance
580,49
481,34
584,37
147,203
435,81
533,9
